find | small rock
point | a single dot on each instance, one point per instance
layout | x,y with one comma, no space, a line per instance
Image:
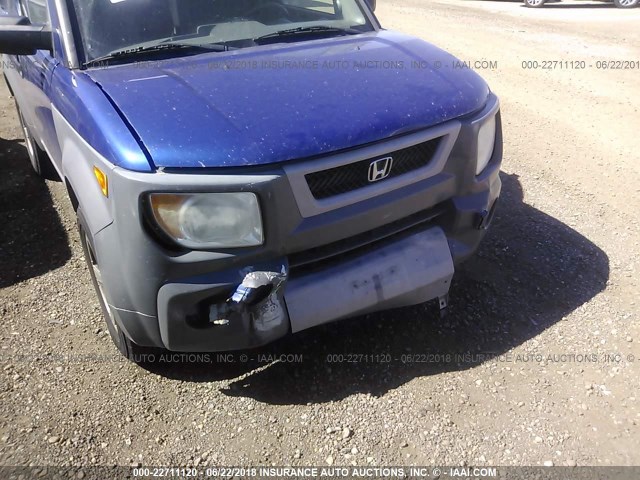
53,439
354,451
346,433
570,463
404,444
59,369
538,440
329,460
548,463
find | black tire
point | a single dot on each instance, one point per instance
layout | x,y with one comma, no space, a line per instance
626,3
534,3
40,161
125,346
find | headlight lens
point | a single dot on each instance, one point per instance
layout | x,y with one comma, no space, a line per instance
209,220
486,143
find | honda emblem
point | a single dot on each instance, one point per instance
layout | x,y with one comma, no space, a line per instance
380,169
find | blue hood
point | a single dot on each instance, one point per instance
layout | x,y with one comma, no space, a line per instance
274,103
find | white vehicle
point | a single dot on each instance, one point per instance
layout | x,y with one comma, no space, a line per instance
617,3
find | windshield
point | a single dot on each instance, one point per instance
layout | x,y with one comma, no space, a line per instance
108,26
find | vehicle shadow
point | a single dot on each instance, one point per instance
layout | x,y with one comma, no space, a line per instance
32,238
531,271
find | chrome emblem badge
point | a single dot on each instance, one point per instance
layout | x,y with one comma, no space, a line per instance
380,169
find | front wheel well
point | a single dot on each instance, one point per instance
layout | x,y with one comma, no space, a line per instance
72,195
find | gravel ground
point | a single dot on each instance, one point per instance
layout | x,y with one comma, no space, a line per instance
536,364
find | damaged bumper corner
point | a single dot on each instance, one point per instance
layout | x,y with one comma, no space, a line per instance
230,310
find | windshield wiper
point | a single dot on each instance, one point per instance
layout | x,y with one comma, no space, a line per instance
318,29
159,47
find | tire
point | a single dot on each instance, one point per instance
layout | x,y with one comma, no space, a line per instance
626,3
534,3
40,162
124,345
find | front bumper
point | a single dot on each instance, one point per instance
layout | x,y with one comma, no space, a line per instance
387,249
396,274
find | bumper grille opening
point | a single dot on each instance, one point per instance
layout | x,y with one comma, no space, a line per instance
332,253
345,178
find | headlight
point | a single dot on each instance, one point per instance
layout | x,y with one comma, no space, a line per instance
209,220
486,143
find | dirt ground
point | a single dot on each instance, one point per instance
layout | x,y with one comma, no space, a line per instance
537,363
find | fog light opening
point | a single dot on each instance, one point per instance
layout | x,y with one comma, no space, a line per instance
218,313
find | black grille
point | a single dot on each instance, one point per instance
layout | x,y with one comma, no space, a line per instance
345,178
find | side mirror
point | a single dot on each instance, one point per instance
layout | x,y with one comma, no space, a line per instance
372,5
19,37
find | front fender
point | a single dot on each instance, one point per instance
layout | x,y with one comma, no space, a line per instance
77,162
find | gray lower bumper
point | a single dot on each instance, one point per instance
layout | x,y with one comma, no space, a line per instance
407,272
